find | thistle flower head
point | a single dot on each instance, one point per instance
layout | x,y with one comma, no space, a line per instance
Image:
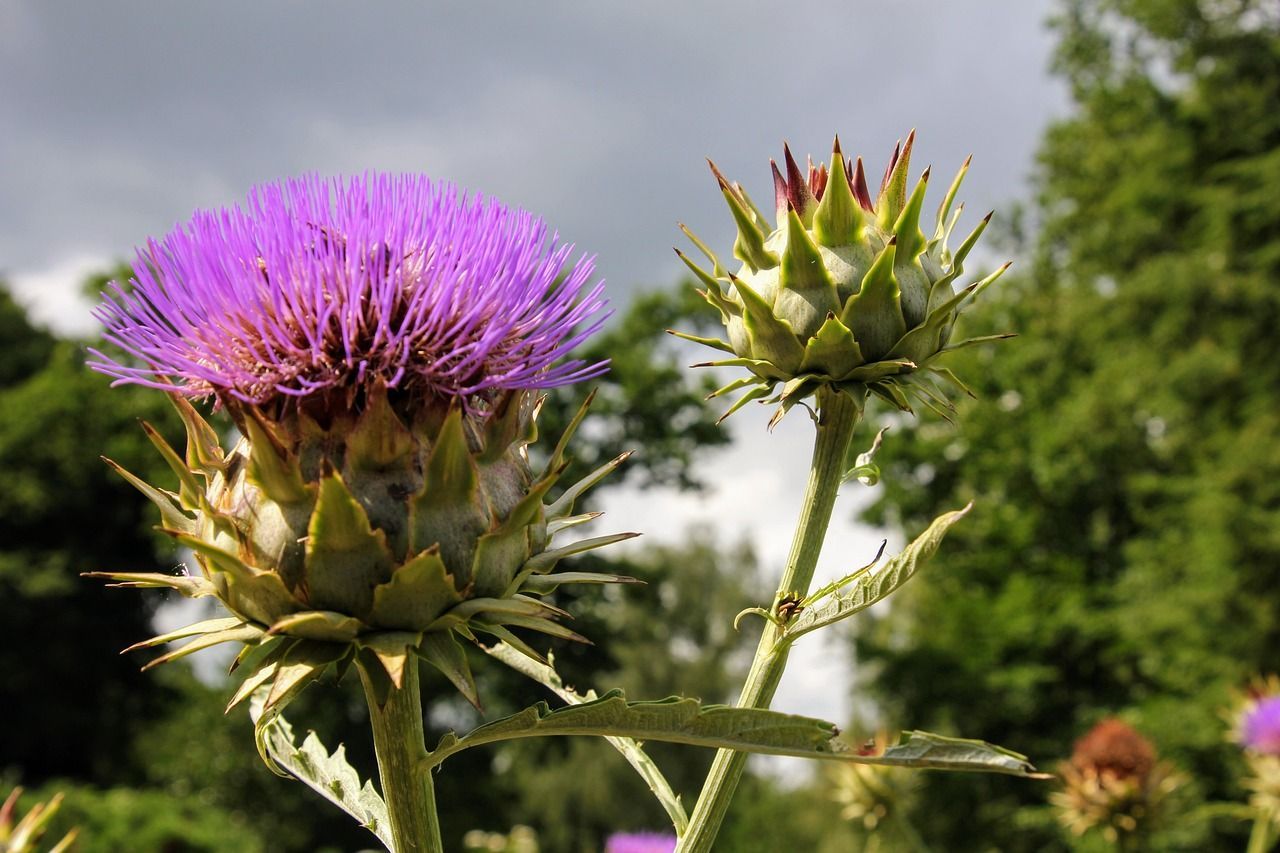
640,842
375,341
1114,784
316,284
1260,726
841,290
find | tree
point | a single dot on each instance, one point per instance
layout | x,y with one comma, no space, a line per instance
1123,557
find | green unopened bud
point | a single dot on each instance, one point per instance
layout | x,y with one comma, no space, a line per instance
844,292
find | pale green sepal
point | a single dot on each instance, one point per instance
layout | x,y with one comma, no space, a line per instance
688,721
280,479
346,558
919,344
864,588
749,245
379,440
714,343
757,215
629,748
208,626
708,281
560,524
263,670
864,468
772,339
327,774
563,505
892,395
874,313
442,650
542,584
319,625
392,648
763,369
451,476
513,422
735,385
944,209
755,393
946,374
556,462
838,220
511,640
983,339
893,196
259,596
543,626
546,561
418,592
241,633
204,451
189,585
495,609
303,663
716,268
172,514
190,490
878,370
833,351
802,265
906,229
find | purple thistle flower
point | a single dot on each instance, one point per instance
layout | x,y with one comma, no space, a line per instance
1260,728
324,283
640,842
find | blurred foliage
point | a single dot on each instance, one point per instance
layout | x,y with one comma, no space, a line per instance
1125,549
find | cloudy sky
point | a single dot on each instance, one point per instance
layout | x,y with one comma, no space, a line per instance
118,119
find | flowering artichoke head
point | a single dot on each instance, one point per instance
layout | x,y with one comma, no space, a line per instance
839,289
381,368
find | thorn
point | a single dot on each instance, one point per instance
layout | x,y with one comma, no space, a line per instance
987,218
925,177
967,161
835,148
724,183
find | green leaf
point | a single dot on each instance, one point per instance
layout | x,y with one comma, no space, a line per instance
328,774
864,467
688,721
630,749
868,588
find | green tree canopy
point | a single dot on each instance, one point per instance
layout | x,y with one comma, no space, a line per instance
1123,556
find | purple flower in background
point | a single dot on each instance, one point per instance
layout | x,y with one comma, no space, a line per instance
324,284
1260,727
640,842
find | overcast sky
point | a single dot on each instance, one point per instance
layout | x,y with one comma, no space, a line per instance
119,119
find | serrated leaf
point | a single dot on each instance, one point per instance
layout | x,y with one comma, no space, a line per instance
630,749
872,587
688,721
328,774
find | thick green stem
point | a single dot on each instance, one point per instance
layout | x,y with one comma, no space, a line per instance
838,415
400,744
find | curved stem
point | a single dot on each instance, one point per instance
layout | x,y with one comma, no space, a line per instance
400,743
838,416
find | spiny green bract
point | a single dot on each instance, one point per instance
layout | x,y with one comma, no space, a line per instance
844,291
368,534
